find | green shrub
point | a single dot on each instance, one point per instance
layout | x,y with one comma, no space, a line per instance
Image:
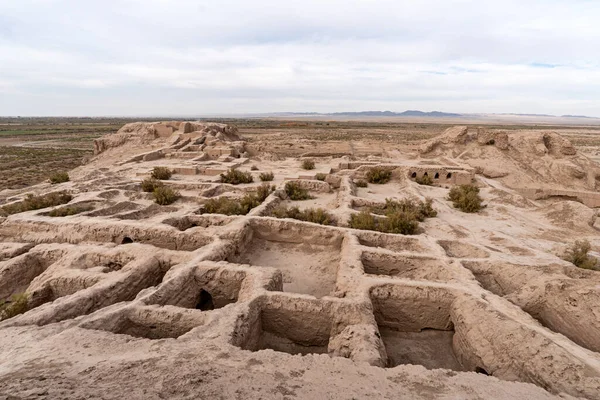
419,209
402,217
424,180
32,202
264,191
466,198
314,215
400,222
379,175
164,195
321,176
266,176
361,183
236,206
235,177
162,173
296,192
59,177
13,307
254,168
224,205
365,221
308,164
70,210
149,184
578,255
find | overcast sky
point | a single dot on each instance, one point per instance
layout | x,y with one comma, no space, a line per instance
191,57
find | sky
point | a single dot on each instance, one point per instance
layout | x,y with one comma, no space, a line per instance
194,57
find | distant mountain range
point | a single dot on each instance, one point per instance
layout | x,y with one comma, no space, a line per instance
408,113
418,113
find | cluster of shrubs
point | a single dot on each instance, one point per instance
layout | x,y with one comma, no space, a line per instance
17,304
32,202
314,215
162,173
70,210
401,217
296,192
308,164
578,255
59,177
379,175
235,177
266,176
162,194
361,183
466,198
235,206
424,180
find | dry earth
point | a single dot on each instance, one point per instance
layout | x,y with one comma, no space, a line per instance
130,299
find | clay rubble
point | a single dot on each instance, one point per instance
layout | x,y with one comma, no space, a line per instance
135,300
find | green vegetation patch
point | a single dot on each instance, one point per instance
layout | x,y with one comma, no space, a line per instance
424,180
17,304
237,206
578,255
70,210
379,175
59,177
266,176
401,217
236,177
162,173
314,215
466,198
32,202
308,164
296,192
165,195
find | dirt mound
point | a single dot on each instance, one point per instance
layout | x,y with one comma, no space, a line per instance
520,160
144,133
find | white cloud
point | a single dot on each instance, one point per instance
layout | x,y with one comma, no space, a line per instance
199,57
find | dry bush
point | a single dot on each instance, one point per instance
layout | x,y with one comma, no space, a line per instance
419,209
254,168
162,173
466,198
18,304
578,255
401,217
70,210
379,175
235,177
424,180
59,177
266,176
296,192
149,184
32,202
365,221
308,164
164,195
361,183
234,206
321,176
314,215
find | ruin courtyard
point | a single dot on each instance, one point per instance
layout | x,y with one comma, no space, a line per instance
250,270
